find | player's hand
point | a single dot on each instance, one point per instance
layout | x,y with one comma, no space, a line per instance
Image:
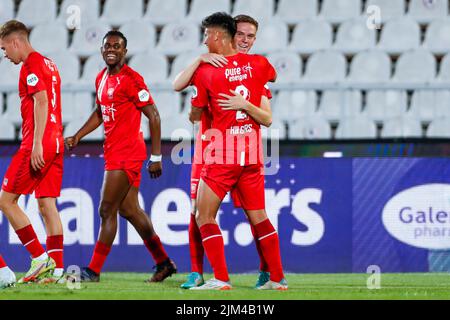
217,60
154,169
37,157
235,101
71,142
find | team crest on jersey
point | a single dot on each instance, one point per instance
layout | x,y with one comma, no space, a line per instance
32,80
5,182
110,93
144,96
194,92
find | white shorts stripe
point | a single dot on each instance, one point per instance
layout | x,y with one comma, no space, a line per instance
271,234
215,236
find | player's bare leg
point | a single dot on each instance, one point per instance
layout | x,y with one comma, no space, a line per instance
41,263
115,188
132,211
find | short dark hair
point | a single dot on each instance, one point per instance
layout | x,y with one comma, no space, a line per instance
13,26
222,20
245,18
115,33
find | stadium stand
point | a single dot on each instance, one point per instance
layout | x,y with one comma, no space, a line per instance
295,11
202,8
37,12
6,10
161,12
89,11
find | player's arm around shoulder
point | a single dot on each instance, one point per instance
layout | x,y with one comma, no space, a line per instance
154,165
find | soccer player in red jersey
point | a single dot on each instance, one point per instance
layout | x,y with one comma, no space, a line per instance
234,155
244,39
122,97
7,277
38,164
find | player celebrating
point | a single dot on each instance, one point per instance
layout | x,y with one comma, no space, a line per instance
38,165
233,157
244,39
122,96
7,277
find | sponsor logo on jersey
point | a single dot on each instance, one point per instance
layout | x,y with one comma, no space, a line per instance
144,96
239,73
110,93
32,80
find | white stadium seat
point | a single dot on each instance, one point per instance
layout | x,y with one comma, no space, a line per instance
203,8
182,61
425,11
68,111
91,69
382,105
12,112
358,127
1,103
427,105
177,127
271,37
141,36
326,67
311,128
416,66
389,9
439,128
89,12
293,11
75,125
32,12
153,66
7,130
179,37
336,105
168,103
68,66
444,72
370,67
161,12
277,131
49,38
290,106
310,36
400,35
337,11
259,9
436,37
118,12
288,66
10,73
6,11
353,36
442,103
84,104
88,40
403,127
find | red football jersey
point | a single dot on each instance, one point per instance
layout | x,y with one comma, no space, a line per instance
235,137
39,73
120,98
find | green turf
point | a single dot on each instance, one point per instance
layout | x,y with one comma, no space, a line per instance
123,286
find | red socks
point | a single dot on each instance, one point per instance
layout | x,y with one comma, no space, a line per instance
101,251
215,250
30,241
195,246
2,262
55,249
263,266
156,249
270,246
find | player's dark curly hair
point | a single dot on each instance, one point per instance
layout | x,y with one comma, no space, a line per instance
114,33
222,20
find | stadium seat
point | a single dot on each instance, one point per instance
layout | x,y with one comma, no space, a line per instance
119,12
290,106
161,12
288,66
428,105
2,101
6,11
277,131
416,66
400,35
89,10
7,130
259,9
84,105
272,37
311,128
141,36
293,11
326,67
436,38
444,71
33,12
168,103
439,128
389,9
68,110
68,66
10,74
12,112
75,125
353,36
182,61
336,105
370,67
88,40
425,11
153,66
382,105
179,37
49,38
310,36
402,127
358,127
442,103
177,127
203,8
337,11
91,69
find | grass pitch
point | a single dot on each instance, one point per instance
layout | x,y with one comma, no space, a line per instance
131,286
